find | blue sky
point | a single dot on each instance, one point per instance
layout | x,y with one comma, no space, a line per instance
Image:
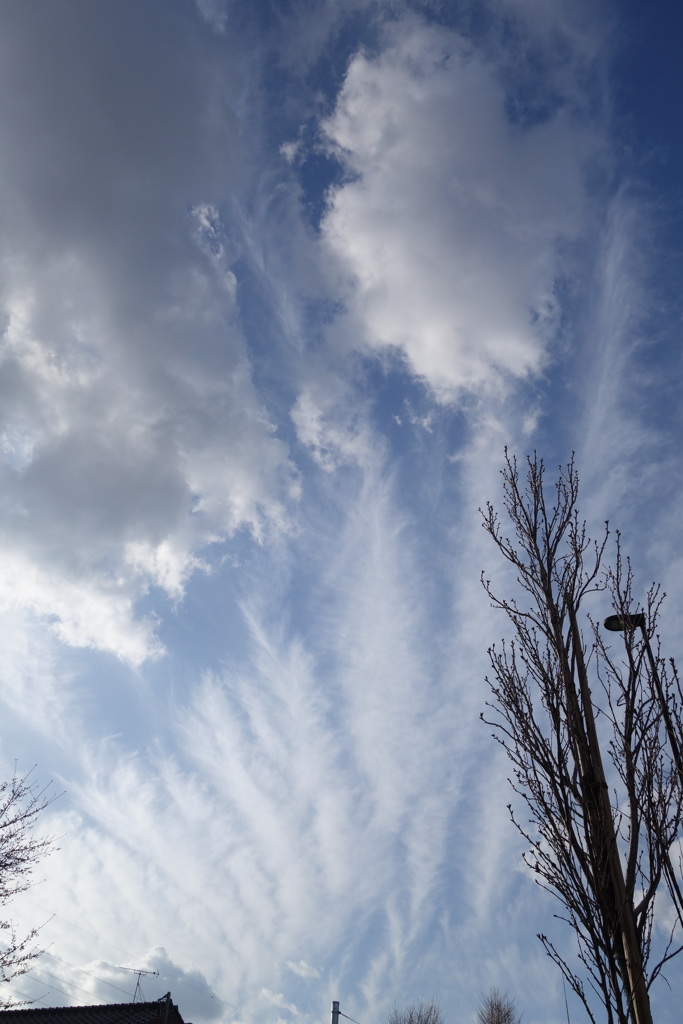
279,281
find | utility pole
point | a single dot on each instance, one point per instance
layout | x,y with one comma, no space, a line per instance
335,1012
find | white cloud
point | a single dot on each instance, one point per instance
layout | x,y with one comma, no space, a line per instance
80,611
302,969
290,151
277,999
101,981
329,424
215,13
445,236
131,434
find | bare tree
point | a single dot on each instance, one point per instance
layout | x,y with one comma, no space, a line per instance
21,803
603,838
427,1011
498,1008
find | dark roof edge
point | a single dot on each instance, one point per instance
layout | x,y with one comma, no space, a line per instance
161,1006
79,1006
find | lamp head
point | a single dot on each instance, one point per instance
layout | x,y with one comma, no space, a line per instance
620,623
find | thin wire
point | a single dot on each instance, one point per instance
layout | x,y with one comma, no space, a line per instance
83,971
72,924
41,970
71,984
55,988
347,1017
31,999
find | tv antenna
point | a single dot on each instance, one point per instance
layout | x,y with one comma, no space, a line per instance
140,974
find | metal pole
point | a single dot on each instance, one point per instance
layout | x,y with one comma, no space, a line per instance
639,999
335,1012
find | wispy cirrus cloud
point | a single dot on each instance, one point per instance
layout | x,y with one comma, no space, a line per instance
308,795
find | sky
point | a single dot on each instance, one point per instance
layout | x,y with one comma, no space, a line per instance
279,281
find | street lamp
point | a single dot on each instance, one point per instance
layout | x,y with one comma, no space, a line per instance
607,840
622,623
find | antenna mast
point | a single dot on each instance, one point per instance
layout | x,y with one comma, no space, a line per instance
140,974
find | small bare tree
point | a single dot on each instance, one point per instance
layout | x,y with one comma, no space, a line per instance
427,1011
603,840
498,1008
21,803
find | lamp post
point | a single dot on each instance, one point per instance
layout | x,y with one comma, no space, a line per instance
639,1002
621,623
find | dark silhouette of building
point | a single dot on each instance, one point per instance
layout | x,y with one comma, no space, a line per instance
162,1011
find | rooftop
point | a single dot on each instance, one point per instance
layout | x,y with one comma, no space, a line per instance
162,1011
